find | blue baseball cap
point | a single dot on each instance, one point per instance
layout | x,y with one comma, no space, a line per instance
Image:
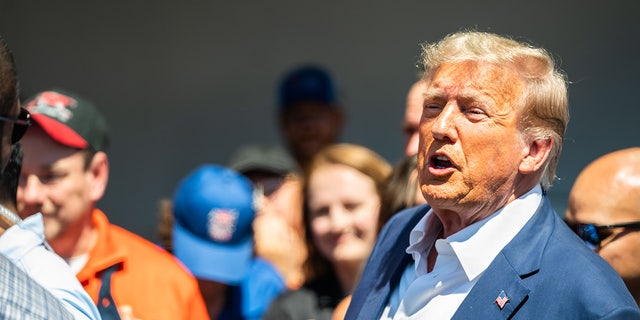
212,233
308,83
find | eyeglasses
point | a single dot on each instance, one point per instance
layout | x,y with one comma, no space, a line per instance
593,234
20,125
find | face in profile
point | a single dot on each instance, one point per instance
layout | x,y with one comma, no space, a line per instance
308,127
470,146
343,208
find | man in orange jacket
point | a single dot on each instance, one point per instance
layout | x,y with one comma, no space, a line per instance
64,174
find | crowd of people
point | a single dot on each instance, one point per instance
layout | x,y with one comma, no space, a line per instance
460,228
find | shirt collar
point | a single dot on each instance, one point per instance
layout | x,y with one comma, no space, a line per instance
20,239
478,244
421,238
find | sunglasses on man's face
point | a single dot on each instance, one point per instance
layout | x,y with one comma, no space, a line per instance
20,125
593,235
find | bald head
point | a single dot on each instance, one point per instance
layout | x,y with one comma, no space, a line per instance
611,181
412,114
607,192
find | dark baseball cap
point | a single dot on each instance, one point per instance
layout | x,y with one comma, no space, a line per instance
307,83
69,119
267,159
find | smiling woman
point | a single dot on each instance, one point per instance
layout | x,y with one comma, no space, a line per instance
342,202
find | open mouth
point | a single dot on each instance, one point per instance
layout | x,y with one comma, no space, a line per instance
440,162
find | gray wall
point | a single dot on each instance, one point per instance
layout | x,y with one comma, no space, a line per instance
186,82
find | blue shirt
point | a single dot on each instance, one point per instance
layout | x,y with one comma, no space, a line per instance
252,297
25,246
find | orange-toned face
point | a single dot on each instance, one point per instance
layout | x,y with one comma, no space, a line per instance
470,144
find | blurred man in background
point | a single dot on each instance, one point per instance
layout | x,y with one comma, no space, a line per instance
64,175
310,116
412,113
604,210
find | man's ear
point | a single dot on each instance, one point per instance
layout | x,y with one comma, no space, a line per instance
536,154
98,173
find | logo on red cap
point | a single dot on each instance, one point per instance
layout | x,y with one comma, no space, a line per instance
53,104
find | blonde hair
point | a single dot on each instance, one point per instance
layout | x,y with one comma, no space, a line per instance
544,103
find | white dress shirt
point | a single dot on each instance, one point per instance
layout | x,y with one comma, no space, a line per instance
462,258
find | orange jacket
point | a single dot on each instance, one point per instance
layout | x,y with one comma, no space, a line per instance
151,283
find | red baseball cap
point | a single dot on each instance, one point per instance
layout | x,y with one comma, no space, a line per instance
69,119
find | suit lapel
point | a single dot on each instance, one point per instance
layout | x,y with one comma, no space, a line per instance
520,259
389,271
482,301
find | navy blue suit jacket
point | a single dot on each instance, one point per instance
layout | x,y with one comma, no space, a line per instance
546,271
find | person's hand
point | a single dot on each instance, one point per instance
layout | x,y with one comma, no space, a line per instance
281,245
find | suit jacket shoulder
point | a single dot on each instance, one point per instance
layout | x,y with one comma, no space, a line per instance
547,272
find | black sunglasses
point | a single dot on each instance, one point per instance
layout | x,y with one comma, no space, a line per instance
20,125
594,234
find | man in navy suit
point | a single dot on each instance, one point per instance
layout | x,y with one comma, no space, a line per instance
489,245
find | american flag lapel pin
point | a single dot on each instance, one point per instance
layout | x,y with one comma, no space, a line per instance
502,299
